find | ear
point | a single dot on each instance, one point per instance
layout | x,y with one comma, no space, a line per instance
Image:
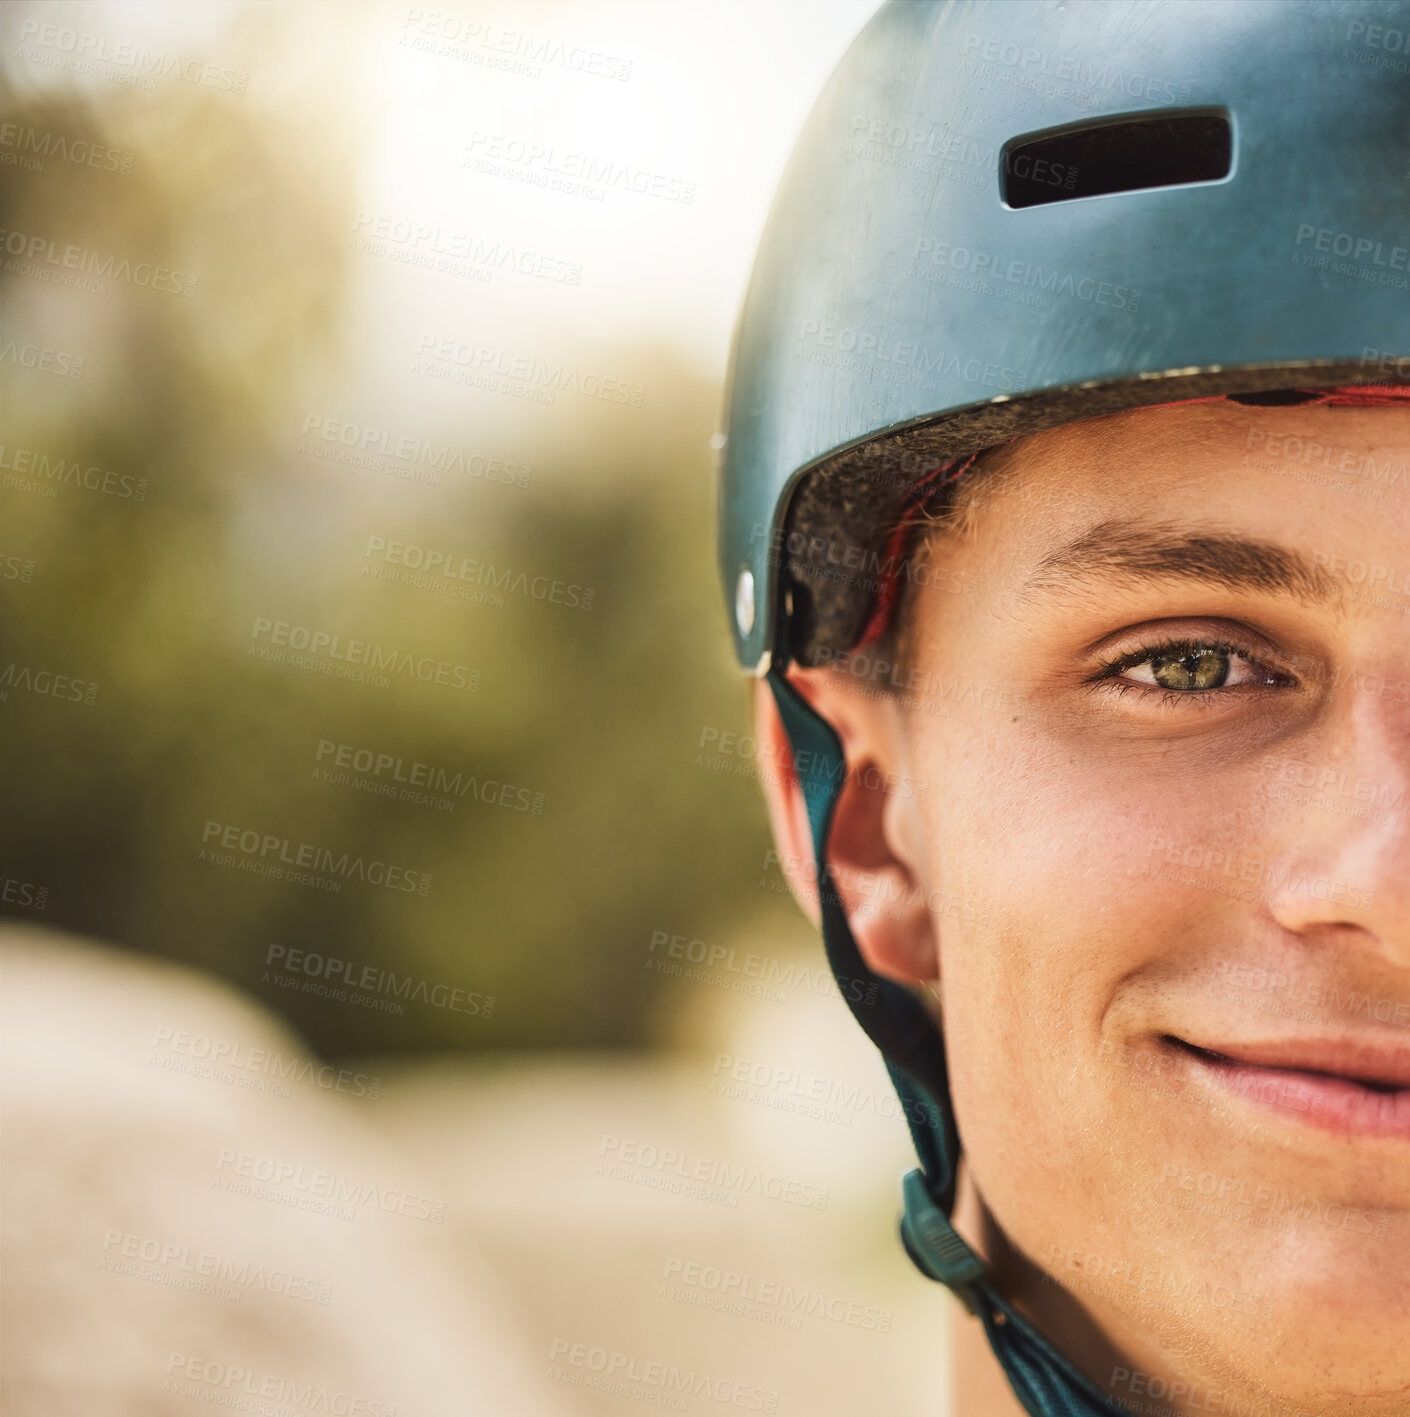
877,841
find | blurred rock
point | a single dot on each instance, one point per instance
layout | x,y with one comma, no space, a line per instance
196,1213
649,1210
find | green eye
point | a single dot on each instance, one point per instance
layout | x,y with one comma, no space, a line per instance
1203,668
1190,667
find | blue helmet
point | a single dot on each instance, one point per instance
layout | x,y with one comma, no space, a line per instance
1000,218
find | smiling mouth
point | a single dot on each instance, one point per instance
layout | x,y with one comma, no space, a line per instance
1210,1056
1338,1086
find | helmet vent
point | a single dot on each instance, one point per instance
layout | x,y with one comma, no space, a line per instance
1126,154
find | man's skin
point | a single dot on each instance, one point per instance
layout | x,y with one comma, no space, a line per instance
1086,871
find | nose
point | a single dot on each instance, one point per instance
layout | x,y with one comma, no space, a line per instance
1346,869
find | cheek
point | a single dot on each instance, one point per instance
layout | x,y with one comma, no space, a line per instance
1074,918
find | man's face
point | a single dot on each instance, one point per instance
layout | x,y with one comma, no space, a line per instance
1168,808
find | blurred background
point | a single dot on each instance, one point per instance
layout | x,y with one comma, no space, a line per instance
401,1002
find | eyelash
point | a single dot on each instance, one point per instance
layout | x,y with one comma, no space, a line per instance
1106,676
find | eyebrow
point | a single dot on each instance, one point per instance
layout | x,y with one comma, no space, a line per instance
1143,553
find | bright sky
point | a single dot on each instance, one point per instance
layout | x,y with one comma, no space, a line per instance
460,117
714,98
713,95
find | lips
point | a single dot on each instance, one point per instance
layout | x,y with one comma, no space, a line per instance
1343,1085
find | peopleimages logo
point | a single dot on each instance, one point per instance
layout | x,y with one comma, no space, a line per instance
663,1168
362,445
1271,1201
47,361
456,252
26,893
327,1185
525,375
168,1262
325,645
748,973
581,172
771,1300
386,774
392,992
258,1069
1274,878
60,470
791,1091
664,1383
1383,264
46,683
44,252
280,851
31,146
1383,361
439,565
1020,280
461,35
1358,248
905,361
91,49
227,1385
1025,61
16,568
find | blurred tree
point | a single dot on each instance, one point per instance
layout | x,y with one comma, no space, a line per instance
601,711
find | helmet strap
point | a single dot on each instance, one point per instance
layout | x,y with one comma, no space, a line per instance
1045,1381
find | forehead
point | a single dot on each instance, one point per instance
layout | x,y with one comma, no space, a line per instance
1333,472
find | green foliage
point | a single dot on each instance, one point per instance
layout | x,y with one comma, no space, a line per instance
600,710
